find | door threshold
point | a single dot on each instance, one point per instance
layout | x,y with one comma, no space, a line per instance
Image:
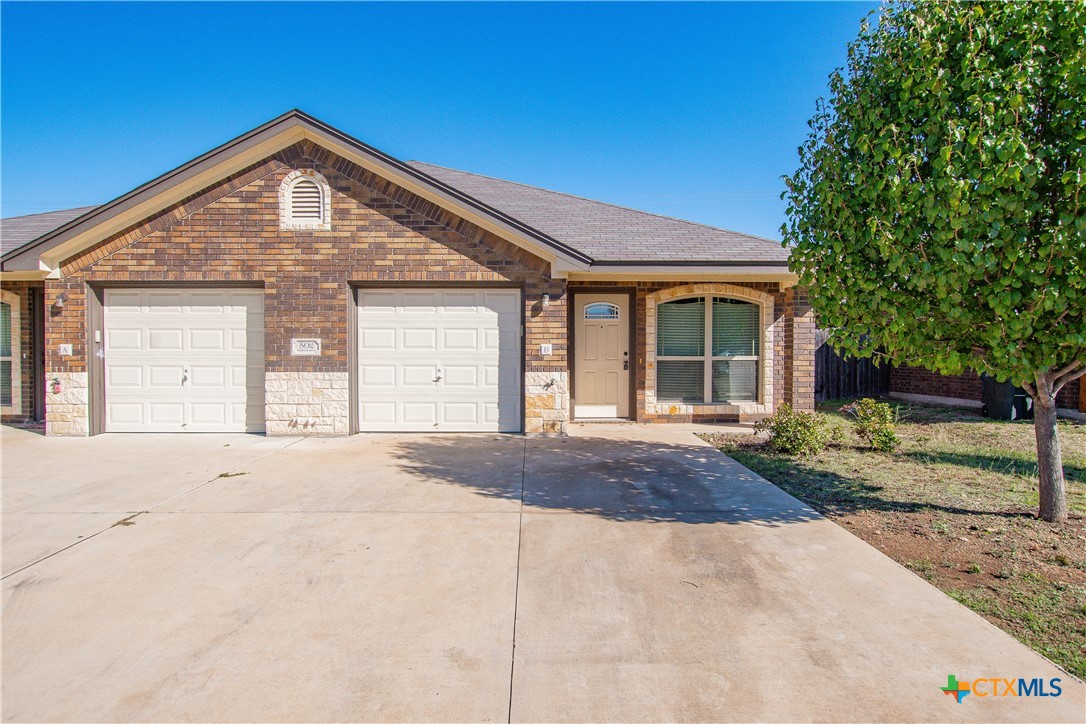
604,421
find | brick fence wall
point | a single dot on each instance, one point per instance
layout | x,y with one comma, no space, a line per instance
919,381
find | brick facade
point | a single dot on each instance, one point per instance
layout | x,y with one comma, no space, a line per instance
380,233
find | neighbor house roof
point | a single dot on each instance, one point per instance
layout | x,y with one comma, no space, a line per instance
16,231
580,233
610,233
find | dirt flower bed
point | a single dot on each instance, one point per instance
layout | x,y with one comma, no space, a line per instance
957,504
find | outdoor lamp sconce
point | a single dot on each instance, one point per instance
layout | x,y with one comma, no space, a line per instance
546,300
61,298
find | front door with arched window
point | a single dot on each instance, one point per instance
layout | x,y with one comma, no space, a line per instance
602,362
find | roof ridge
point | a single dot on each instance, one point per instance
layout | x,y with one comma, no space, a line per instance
597,201
54,211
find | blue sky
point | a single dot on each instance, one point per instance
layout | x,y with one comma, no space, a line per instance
687,110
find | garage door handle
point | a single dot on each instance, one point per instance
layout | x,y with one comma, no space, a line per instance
184,376
438,378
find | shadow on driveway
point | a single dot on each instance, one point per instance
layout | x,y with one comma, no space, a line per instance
616,479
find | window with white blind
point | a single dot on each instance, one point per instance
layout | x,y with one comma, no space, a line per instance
707,350
7,392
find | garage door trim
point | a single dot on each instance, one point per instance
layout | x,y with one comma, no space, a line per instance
353,342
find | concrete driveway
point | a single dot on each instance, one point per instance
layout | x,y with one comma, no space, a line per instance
621,574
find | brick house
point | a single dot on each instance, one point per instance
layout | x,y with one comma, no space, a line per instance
297,281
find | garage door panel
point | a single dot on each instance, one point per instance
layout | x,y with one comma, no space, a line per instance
165,376
469,379
503,303
207,340
372,375
216,335
421,302
159,413
130,376
122,301
377,301
461,413
209,376
458,302
164,340
125,413
118,340
209,413
461,376
163,302
460,339
377,339
418,412
419,340
421,376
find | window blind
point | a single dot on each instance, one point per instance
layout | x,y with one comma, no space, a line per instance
735,380
680,328
680,381
735,328
5,351
5,329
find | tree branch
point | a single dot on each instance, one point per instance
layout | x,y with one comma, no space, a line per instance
1058,384
1067,368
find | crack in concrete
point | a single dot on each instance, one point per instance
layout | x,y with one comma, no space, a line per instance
516,585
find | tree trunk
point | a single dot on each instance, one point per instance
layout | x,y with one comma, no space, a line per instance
1050,484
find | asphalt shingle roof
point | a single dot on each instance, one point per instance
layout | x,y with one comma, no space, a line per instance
606,232
16,231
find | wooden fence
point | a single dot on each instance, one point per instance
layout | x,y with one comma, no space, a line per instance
838,377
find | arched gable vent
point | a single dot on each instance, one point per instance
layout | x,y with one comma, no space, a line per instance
305,201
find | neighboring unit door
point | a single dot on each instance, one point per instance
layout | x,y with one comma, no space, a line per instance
602,366
184,360
446,360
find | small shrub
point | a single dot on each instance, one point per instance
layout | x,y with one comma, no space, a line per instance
803,434
874,423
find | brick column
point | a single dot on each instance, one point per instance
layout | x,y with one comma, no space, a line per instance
801,351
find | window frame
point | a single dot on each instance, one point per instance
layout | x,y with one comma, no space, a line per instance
14,303
614,312
707,357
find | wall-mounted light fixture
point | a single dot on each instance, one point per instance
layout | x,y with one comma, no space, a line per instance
61,298
546,300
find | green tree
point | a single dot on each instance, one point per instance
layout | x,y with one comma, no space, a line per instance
937,216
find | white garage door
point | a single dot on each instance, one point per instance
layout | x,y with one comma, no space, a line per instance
184,360
439,360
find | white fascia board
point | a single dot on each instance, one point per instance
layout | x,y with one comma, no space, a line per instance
23,276
664,272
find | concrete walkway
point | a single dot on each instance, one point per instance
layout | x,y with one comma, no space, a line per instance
621,574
